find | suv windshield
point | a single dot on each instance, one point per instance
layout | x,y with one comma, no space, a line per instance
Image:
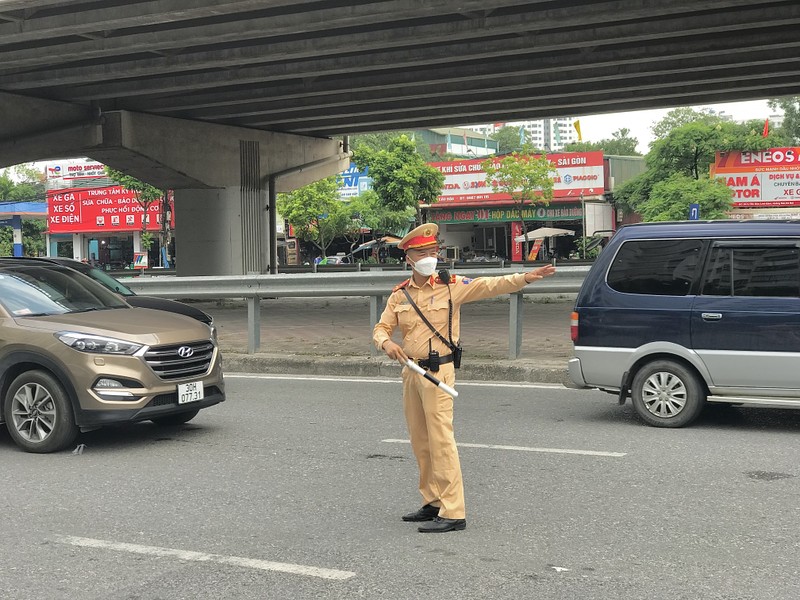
50,290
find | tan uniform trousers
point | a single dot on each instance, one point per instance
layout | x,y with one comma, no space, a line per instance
429,415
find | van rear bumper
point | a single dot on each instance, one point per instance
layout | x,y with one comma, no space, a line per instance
576,373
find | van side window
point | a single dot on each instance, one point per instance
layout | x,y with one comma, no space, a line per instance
753,271
656,267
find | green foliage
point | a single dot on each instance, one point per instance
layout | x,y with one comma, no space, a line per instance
636,190
620,144
528,179
678,117
400,176
510,140
146,240
790,106
377,216
144,193
689,150
670,198
33,238
23,183
317,214
580,244
384,140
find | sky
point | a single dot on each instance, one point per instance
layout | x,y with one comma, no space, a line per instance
598,127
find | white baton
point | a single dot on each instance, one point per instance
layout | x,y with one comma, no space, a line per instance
443,386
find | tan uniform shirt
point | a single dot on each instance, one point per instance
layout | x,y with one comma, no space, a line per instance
432,299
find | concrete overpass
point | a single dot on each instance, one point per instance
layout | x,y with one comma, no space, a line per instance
217,98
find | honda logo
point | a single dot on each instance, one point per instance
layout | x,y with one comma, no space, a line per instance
185,351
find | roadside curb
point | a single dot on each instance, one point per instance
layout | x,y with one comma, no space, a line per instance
356,366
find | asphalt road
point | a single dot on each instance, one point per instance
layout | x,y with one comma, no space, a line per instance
291,490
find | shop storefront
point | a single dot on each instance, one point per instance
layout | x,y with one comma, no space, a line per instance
476,223
765,184
89,219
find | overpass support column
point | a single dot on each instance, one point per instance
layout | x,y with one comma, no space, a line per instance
225,230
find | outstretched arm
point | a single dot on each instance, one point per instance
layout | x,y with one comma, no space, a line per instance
468,290
539,273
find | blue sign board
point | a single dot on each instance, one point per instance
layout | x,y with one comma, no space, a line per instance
694,212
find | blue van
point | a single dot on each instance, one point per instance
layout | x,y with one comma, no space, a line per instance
675,315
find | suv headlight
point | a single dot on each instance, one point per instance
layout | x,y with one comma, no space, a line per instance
97,344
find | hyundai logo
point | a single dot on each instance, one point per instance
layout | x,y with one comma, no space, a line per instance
185,351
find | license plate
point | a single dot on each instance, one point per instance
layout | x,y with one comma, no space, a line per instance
190,392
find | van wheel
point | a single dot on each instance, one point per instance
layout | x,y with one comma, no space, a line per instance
176,419
38,413
667,394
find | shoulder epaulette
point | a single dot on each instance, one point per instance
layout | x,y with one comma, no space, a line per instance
452,279
400,286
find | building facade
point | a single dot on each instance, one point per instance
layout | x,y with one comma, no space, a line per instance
91,218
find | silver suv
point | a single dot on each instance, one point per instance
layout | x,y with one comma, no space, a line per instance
74,356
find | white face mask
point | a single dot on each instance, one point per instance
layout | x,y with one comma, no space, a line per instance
426,266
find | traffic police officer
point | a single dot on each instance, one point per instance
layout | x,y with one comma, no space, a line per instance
428,409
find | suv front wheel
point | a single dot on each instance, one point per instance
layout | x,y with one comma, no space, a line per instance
667,394
38,413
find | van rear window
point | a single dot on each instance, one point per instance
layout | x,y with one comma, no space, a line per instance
753,271
655,267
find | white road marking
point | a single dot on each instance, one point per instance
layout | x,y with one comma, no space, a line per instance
393,381
527,449
238,561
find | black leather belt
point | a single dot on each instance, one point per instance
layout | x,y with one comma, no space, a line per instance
443,360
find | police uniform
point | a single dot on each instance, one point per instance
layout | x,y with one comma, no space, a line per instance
429,410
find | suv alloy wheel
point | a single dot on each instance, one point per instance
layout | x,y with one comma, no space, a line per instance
38,413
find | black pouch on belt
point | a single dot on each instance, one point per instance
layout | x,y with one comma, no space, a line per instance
457,356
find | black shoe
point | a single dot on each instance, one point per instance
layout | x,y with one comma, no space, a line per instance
439,525
426,513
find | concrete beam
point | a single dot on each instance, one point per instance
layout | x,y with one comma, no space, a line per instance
180,154
396,49
336,17
33,129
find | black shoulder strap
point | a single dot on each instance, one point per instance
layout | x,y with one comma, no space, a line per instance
428,323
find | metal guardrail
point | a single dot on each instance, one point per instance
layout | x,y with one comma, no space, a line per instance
376,285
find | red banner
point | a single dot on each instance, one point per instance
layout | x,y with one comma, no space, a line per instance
574,174
99,210
763,179
516,247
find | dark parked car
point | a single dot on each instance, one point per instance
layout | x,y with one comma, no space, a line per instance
679,314
117,286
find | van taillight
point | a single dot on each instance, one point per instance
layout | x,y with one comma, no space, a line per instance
573,326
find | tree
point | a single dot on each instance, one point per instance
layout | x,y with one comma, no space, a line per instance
23,183
790,106
372,213
145,195
526,178
400,176
670,199
316,212
683,115
620,144
510,139
384,141
690,150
